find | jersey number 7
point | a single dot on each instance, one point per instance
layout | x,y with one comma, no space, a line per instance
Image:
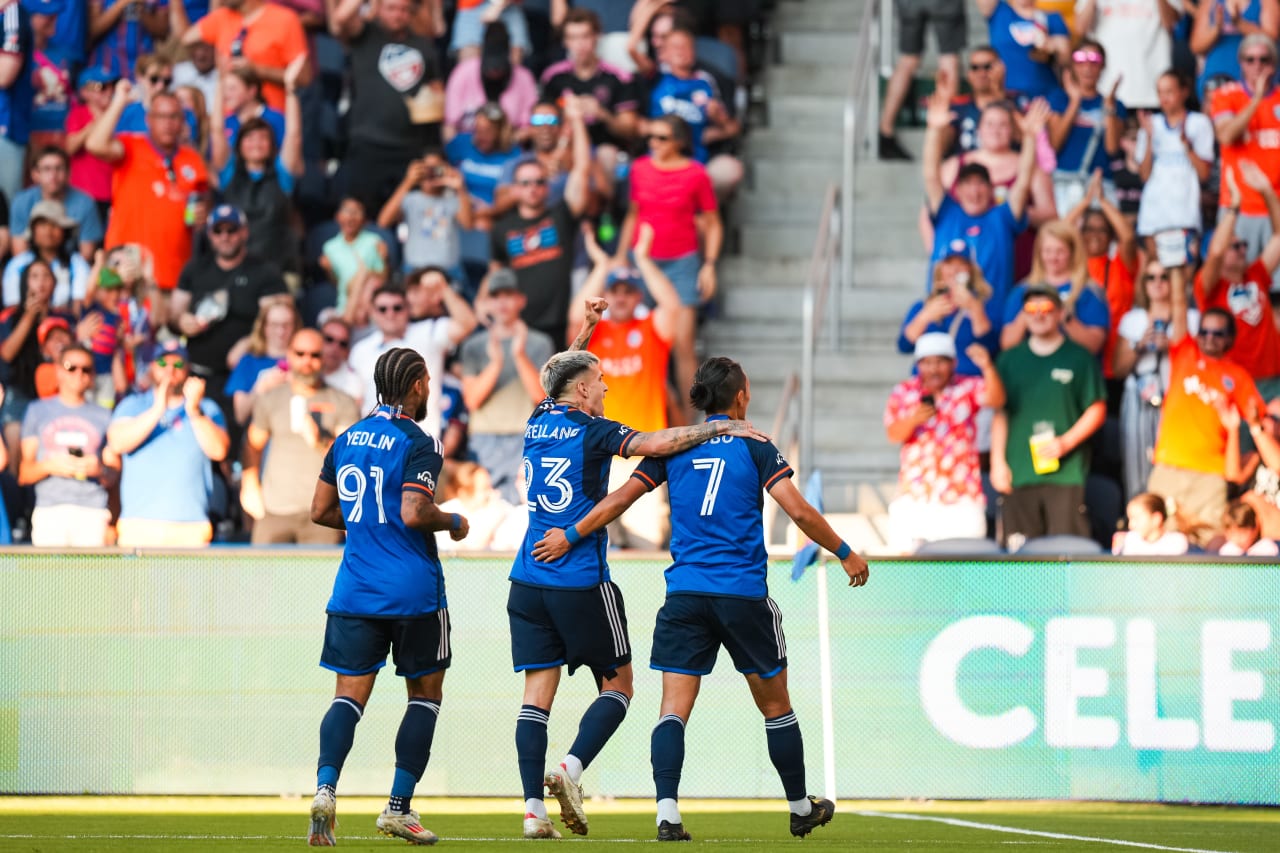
716,466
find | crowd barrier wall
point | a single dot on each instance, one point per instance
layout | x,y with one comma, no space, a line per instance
197,673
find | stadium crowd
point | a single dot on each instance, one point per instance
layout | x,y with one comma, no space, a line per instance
216,215
1096,346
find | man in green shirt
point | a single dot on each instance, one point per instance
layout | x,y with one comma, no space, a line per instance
1055,400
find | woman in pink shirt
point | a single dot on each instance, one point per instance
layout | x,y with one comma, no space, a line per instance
89,174
672,192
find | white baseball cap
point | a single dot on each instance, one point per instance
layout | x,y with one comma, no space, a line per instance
935,343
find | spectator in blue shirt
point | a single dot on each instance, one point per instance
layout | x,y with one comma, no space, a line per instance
1085,127
16,95
1060,263
970,213
50,173
1028,41
154,75
481,156
693,95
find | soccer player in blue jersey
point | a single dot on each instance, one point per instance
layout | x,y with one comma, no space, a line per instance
378,483
569,613
717,593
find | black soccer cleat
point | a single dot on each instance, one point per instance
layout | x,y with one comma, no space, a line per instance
820,815
668,831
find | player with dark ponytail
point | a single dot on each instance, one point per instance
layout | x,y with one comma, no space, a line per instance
717,593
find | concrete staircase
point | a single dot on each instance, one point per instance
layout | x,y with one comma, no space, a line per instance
790,162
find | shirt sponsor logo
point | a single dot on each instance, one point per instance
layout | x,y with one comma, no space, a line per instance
1062,375
401,66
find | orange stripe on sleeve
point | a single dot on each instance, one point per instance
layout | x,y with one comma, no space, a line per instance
785,472
649,484
420,487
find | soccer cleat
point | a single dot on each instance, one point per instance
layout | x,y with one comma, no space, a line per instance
820,815
569,795
324,811
406,826
668,831
539,827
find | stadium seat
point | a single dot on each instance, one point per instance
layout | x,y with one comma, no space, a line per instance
1062,545
959,548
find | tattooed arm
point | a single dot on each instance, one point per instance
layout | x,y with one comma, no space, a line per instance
668,441
595,308
419,512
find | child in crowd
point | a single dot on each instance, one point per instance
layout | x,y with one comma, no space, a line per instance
108,343
1146,535
355,259
1244,534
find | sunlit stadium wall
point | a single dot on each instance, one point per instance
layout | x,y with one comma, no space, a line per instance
197,673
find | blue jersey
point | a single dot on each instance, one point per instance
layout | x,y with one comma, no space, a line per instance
717,494
1090,120
1013,37
990,237
566,468
16,100
688,99
388,569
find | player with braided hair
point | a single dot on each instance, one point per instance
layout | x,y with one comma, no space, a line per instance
569,613
378,483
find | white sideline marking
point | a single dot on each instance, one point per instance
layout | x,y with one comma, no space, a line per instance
993,827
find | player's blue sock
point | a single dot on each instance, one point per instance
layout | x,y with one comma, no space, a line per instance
337,732
598,725
666,753
786,751
413,749
531,749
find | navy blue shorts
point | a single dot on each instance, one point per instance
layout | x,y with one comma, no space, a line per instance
358,645
573,627
691,628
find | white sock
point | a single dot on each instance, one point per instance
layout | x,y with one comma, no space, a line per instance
800,807
668,810
573,766
537,808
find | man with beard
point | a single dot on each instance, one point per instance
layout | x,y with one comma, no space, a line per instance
378,484
396,97
219,296
300,419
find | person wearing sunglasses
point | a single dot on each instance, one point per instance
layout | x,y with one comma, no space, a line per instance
64,455
1218,32
1206,388
1085,127
300,418
338,372
551,144
1230,280
1246,117
1055,400
168,437
153,74
985,75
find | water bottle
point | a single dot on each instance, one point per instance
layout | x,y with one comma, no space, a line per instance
189,212
607,231
237,44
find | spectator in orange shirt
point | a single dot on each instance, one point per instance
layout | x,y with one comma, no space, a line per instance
1246,118
634,347
1229,282
157,186
1191,450
257,35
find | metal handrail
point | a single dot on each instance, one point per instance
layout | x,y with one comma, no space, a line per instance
860,109
816,292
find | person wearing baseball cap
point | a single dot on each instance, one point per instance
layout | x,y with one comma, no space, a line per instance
219,295
634,347
934,416
46,236
968,209
167,437
959,304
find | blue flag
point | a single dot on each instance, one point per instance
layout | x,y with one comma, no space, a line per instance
808,553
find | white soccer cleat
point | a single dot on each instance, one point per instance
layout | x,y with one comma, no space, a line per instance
539,827
569,795
324,817
407,826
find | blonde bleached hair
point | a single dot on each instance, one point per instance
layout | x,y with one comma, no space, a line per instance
1068,234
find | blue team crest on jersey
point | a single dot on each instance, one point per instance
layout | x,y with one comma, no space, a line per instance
1229,384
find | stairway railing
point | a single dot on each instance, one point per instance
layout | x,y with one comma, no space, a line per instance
834,243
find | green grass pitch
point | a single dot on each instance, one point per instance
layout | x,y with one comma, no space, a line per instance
227,825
